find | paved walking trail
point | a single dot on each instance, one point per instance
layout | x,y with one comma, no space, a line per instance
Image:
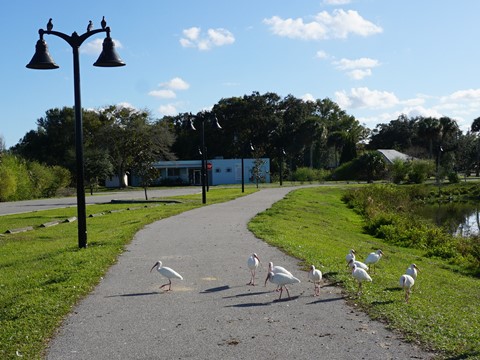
213,314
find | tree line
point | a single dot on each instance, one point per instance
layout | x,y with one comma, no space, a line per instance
291,132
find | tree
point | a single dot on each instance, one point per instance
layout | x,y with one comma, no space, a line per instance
97,167
131,134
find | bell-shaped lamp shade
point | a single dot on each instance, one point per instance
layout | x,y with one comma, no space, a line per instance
42,60
109,57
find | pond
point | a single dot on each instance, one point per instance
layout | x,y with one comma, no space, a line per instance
460,219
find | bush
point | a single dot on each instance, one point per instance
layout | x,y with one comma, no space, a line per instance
305,174
420,170
22,180
388,211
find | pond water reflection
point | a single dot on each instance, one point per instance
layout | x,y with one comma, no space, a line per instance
460,219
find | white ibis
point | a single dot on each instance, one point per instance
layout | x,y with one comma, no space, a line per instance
315,276
282,280
168,273
412,271
252,263
276,270
406,283
360,275
373,258
358,264
350,256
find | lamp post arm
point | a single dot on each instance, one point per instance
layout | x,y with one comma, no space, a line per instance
74,40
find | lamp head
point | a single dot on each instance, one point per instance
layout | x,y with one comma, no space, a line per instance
42,60
108,57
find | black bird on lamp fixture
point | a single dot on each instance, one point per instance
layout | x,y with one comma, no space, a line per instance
90,26
49,25
103,23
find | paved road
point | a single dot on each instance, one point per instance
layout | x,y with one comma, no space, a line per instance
17,207
212,314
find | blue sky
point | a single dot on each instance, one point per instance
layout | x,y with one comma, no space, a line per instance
377,59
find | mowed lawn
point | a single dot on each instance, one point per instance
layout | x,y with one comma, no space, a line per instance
315,226
43,273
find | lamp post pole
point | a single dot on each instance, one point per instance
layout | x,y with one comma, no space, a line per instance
42,61
243,166
204,165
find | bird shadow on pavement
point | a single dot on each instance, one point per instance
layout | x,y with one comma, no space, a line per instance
246,294
318,301
215,289
246,305
134,294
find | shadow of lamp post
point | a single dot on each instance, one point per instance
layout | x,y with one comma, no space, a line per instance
42,60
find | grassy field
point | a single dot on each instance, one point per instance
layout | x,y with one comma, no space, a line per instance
43,273
444,310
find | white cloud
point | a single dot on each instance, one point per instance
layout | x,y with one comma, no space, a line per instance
167,91
308,97
362,63
321,54
213,38
365,98
176,84
359,74
163,94
339,24
168,110
94,47
357,69
467,95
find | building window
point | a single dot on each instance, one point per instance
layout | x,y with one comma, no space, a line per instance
217,170
229,170
173,172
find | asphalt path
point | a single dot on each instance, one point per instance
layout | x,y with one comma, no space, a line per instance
212,313
17,207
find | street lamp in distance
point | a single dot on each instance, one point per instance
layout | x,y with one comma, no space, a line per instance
42,60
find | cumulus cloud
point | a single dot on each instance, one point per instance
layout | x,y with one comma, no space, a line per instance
357,69
176,84
94,47
308,97
365,98
468,95
163,94
168,88
337,25
194,38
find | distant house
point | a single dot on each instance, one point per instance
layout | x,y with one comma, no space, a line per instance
391,155
219,172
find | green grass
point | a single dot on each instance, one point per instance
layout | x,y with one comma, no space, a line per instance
43,273
314,226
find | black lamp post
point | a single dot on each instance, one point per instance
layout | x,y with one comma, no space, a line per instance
282,154
243,167
203,153
42,60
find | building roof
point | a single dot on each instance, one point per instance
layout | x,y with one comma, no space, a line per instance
390,155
